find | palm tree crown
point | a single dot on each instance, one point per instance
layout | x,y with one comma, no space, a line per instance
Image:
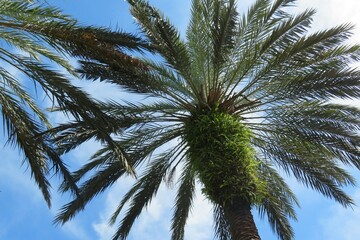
35,33
244,95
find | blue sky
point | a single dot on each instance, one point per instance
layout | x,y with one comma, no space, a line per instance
24,214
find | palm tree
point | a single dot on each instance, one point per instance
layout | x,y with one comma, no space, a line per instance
36,34
244,96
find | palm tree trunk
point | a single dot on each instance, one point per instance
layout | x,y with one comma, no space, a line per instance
241,221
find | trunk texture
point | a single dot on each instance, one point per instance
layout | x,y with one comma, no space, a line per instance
241,221
222,156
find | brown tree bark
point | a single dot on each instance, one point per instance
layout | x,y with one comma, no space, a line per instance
241,221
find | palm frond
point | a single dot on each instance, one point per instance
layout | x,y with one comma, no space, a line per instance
222,231
183,203
331,128
165,36
143,192
41,33
282,35
313,169
104,178
279,203
22,130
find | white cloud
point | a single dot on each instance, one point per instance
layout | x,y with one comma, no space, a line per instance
102,228
157,214
155,221
200,222
17,186
13,173
101,90
75,229
333,13
340,223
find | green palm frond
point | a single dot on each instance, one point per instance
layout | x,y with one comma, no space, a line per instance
143,191
106,176
21,129
279,203
161,32
183,203
137,146
313,169
211,38
165,37
221,228
34,37
12,83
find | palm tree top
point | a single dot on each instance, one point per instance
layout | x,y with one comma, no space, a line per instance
33,36
244,95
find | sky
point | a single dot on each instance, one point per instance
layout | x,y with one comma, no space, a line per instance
24,214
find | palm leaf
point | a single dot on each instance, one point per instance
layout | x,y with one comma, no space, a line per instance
183,203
